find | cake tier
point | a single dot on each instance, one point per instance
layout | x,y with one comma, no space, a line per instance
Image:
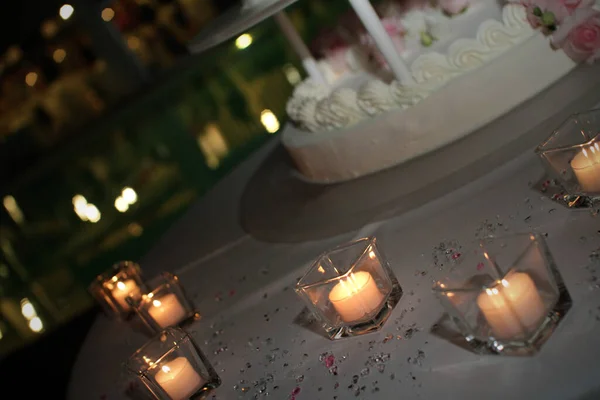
461,106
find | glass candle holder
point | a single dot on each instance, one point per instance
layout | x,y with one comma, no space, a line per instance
505,296
166,305
112,288
172,367
571,154
351,289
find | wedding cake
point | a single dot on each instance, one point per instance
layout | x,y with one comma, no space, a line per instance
471,61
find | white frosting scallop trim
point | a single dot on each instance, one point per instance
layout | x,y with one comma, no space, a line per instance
317,110
493,38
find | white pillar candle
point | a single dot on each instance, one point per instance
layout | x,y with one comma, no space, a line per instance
586,166
512,307
122,290
167,310
356,297
179,379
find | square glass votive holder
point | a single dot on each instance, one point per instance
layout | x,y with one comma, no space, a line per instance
112,288
166,305
506,295
172,367
351,289
571,154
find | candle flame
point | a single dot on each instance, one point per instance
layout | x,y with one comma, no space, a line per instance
121,285
505,283
150,295
166,369
495,291
321,269
156,303
486,255
489,292
585,153
450,294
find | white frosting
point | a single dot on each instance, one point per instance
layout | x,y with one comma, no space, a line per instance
493,39
339,110
406,96
415,22
293,107
309,89
503,65
303,110
375,97
307,113
344,107
437,26
453,112
433,68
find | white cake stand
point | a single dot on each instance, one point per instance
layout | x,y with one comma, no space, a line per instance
240,19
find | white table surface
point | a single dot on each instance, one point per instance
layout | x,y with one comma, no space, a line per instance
243,286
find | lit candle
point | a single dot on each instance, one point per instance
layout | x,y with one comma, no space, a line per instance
512,307
123,289
179,379
356,297
167,310
586,166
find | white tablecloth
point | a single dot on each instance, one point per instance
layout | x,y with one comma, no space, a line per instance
243,287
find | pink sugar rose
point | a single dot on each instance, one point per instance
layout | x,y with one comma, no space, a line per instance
551,13
454,7
393,26
583,42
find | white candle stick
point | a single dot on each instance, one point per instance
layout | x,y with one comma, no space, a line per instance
292,35
371,21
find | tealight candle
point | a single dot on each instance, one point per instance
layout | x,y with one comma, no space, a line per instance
356,297
179,379
513,307
586,166
122,290
167,310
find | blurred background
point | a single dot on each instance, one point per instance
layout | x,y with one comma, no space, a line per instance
110,130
